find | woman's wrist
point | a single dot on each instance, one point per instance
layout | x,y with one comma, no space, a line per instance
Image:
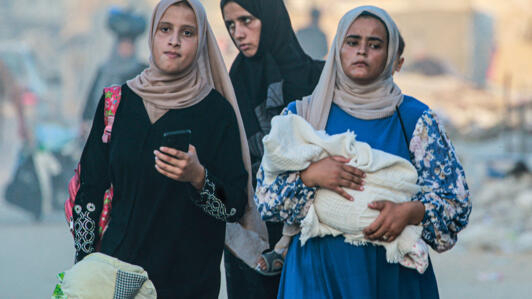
416,212
199,179
305,178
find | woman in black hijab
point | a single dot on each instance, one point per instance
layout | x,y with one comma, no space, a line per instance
270,71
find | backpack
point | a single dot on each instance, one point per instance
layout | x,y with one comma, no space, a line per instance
112,99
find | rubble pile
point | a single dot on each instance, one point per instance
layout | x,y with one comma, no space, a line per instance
501,219
464,108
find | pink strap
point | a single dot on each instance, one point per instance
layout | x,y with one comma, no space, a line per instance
112,99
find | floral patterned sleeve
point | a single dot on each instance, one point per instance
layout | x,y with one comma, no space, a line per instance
444,192
286,199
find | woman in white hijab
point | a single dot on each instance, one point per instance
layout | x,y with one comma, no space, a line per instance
356,92
170,206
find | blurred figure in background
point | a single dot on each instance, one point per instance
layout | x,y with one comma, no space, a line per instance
312,38
24,189
10,91
123,63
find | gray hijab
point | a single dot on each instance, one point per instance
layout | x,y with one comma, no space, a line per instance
372,101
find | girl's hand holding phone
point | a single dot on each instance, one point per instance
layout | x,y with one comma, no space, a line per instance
180,166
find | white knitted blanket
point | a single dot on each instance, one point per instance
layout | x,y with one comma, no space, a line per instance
293,144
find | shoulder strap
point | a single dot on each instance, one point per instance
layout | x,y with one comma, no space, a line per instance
404,132
402,125
112,99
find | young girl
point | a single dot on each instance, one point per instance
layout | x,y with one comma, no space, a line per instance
356,92
169,206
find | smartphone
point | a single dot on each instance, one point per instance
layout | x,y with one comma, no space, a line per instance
177,139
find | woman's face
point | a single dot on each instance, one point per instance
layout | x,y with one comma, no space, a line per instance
364,50
176,39
243,27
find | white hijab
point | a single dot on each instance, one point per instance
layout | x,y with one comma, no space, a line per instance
372,101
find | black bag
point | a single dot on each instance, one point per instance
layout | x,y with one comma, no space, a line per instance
24,190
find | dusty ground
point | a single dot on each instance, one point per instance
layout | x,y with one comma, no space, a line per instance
32,254
469,274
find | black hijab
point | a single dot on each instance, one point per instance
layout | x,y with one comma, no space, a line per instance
278,58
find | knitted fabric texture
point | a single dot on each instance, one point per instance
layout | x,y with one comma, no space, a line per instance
293,144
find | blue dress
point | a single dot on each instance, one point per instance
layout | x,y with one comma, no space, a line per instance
330,268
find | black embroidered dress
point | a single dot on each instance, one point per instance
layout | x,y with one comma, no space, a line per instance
167,227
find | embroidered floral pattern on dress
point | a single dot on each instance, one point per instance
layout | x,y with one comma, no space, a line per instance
91,207
287,199
211,204
444,193
84,233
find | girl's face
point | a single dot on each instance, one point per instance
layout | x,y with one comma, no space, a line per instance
243,27
176,39
364,50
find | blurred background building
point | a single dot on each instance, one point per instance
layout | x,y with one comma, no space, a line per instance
470,60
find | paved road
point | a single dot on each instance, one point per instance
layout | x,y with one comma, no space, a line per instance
32,254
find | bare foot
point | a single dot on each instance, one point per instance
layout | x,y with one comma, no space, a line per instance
261,263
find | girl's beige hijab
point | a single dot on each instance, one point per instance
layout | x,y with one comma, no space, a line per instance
162,92
375,100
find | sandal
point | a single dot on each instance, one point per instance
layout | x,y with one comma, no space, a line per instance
274,263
